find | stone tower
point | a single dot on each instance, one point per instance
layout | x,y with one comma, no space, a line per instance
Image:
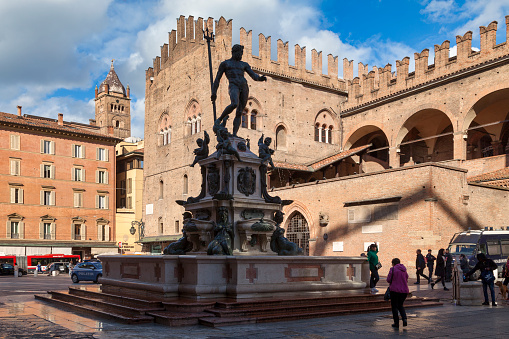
112,106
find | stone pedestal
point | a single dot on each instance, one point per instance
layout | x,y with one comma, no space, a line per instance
202,276
471,293
240,187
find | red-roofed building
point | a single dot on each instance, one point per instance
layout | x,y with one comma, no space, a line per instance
57,178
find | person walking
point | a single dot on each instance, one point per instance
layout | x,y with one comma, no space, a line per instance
420,264
39,269
430,262
398,280
486,266
505,275
448,266
374,266
440,270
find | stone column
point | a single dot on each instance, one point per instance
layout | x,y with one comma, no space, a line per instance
497,147
393,157
460,146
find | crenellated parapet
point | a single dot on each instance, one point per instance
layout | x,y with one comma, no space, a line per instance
371,87
189,36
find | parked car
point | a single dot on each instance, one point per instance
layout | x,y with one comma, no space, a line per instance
62,267
8,269
87,271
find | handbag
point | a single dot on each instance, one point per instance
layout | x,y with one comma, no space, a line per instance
487,277
387,295
378,266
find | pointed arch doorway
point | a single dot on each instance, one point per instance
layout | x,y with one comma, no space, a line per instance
297,231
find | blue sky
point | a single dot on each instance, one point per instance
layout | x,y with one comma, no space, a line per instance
54,52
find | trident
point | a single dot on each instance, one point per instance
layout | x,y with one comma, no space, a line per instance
209,36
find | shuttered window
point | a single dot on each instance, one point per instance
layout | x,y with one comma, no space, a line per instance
15,165
15,144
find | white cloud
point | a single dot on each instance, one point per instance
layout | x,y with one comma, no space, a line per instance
52,44
440,10
458,18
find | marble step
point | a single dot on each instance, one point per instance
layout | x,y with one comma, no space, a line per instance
249,303
106,305
113,298
303,314
89,309
189,306
172,318
311,307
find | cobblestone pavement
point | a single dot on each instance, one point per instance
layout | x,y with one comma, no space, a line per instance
22,317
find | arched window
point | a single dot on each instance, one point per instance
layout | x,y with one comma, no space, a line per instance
166,136
161,189
186,182
165,130
323,136
117,124
298,232
253,119
198,124
329,135
244,119
317,132
193,126
111,107
280,138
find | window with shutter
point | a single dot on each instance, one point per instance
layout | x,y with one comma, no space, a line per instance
53,231
21,230
15,166
15,142
83,232
100,232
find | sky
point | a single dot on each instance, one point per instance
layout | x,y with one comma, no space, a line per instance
54,52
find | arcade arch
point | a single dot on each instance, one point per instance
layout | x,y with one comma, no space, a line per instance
487,126
370,134
425,136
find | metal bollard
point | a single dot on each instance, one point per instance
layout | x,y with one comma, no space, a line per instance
35,273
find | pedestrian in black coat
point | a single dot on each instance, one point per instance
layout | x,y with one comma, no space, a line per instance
430,262
420,264
448,266
440,270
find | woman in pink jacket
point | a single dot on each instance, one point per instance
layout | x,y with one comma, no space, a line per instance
398,280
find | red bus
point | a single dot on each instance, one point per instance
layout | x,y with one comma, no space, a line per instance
8,259
30,262
46,259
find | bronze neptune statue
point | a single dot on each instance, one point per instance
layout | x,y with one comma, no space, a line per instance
238,89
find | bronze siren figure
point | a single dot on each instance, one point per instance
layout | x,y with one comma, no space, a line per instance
238,89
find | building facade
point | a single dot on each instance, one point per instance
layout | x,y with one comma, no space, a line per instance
57,184
406,158
129,178
57,180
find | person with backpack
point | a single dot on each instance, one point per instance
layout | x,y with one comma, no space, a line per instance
440,270
486,266
374,266
398,280
420,264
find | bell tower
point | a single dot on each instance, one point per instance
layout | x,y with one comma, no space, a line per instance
113,106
